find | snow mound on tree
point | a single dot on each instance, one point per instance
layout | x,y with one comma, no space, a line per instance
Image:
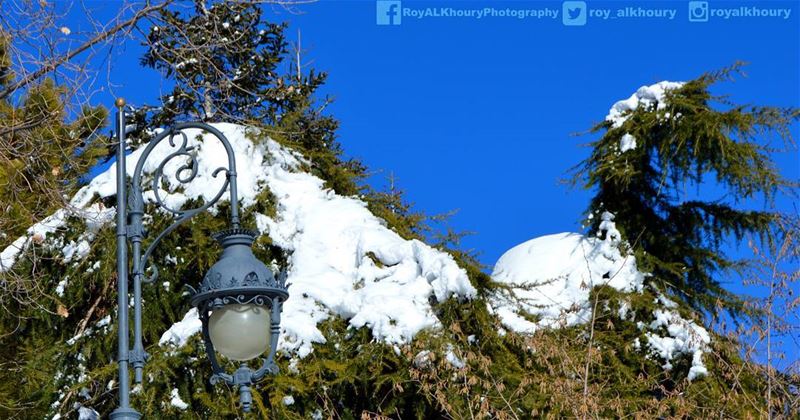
345,261
645,96
550,277
546,283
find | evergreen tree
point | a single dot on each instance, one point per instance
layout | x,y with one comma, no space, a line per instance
223,60
684,142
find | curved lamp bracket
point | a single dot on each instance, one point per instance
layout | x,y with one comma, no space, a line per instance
185,174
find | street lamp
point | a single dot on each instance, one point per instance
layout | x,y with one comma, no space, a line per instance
239,301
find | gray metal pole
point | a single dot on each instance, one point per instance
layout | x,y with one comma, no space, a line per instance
137,356
124,411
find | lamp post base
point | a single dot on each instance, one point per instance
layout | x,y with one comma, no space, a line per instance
125,414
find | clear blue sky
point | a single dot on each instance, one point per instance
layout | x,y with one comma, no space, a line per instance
480,115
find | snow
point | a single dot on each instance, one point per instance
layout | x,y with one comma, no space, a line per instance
183,64
698,369
452,358
61,287
104,322
666,302
37,233
547,282
549,278
423,359
87,413
94,267
293,368
346,262
683,337
180,332
624,307
176,400
78,250
645,96
627,142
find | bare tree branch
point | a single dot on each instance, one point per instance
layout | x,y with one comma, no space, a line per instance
55,63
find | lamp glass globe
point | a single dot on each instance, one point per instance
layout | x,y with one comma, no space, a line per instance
240,332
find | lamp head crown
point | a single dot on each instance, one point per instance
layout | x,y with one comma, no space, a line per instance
238,273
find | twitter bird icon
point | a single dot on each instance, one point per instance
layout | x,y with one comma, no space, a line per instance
573,13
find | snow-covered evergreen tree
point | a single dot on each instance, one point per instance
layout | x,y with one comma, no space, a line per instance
662,151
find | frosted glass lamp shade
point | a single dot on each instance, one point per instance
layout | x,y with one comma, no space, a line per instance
240,332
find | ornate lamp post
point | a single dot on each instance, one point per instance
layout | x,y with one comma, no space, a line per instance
239,300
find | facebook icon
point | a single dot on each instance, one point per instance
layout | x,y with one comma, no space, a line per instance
388,12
